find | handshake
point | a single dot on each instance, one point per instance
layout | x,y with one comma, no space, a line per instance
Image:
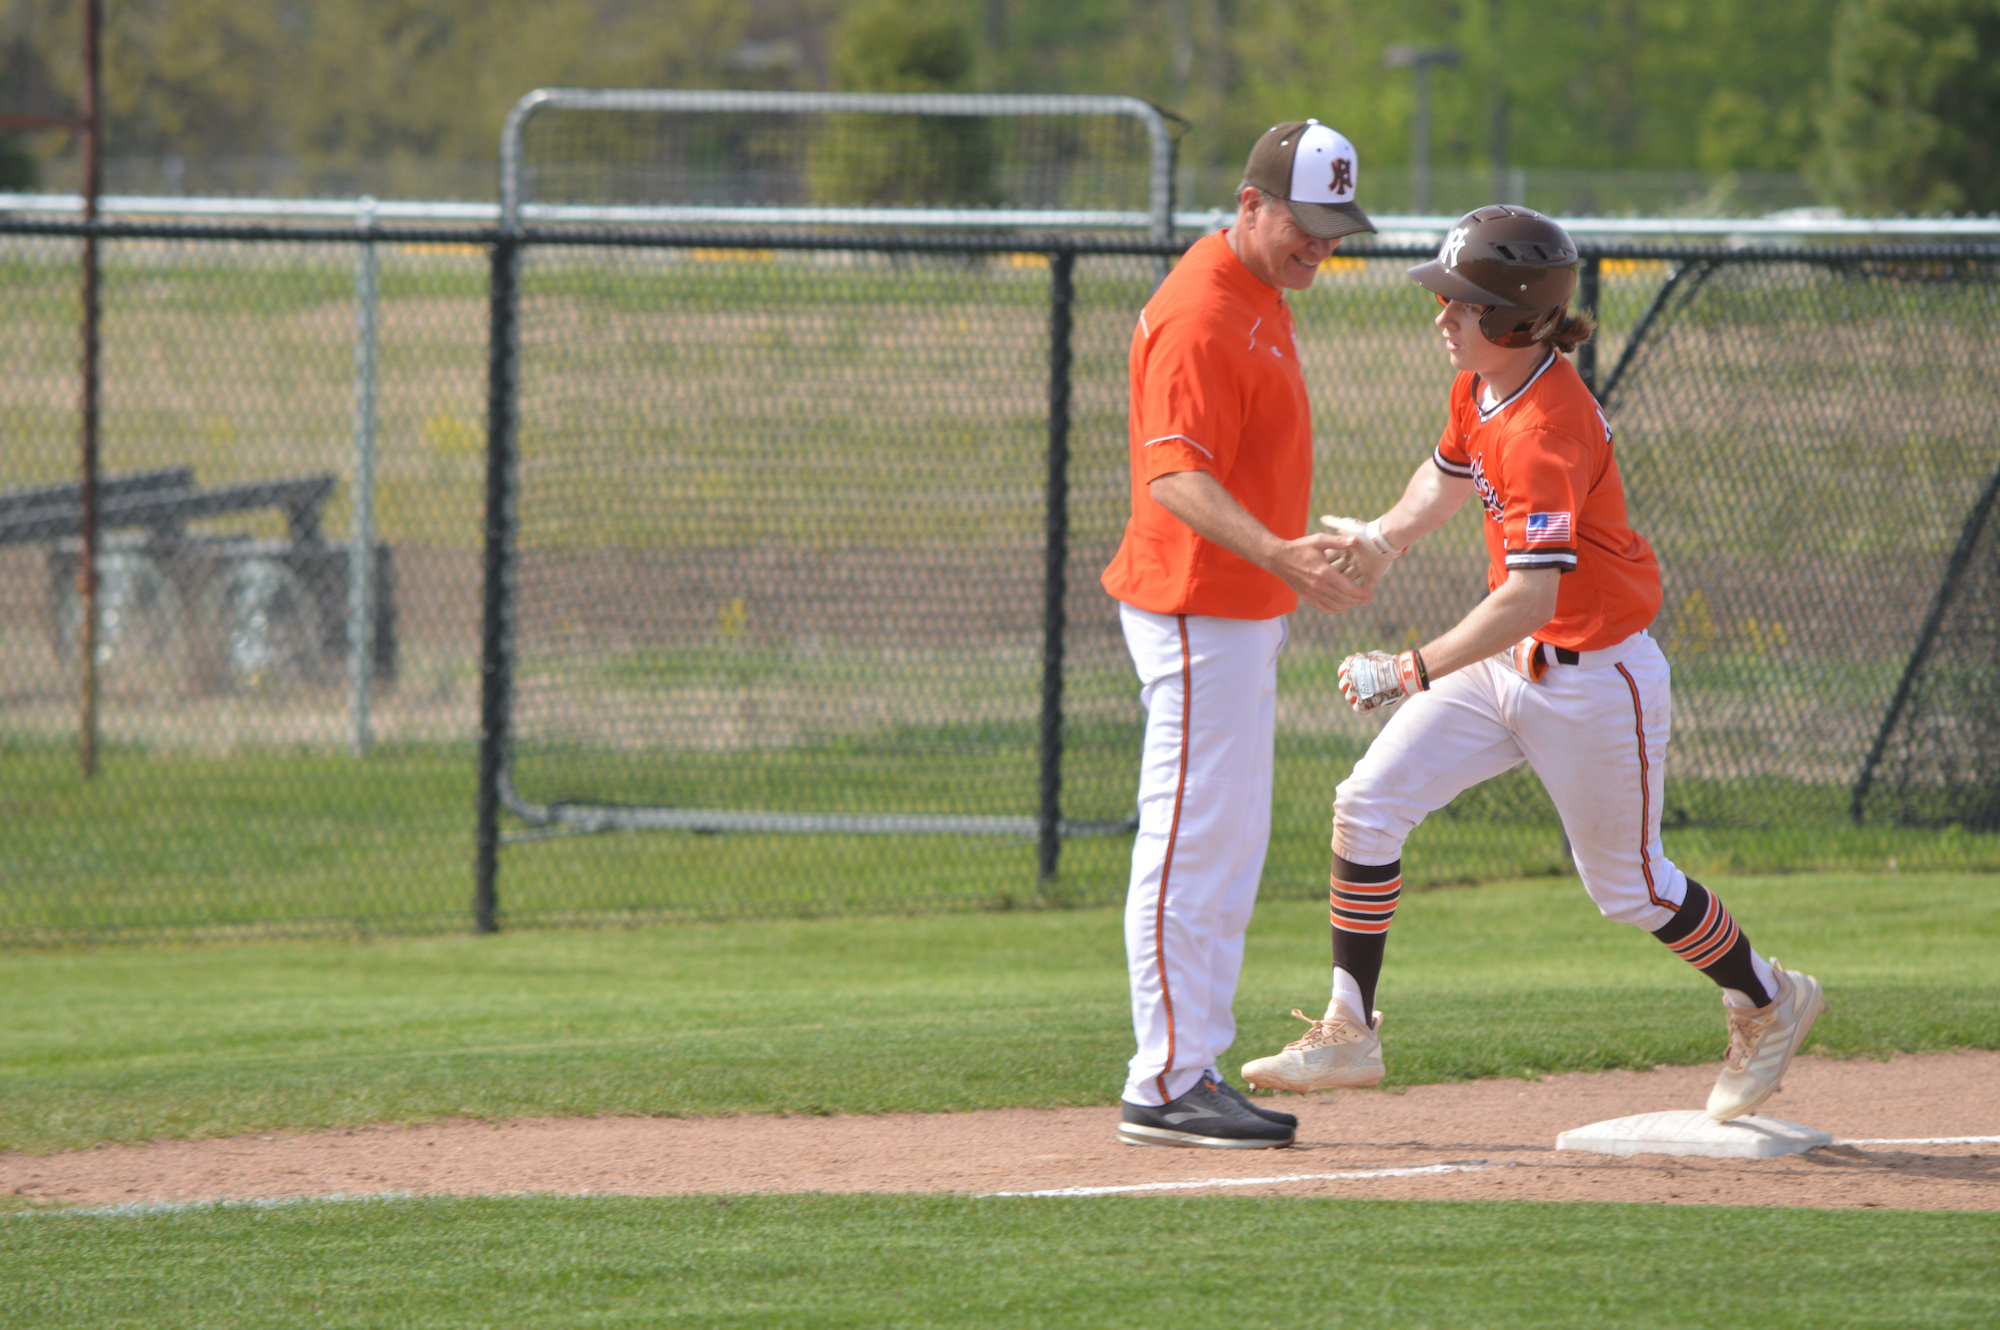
1367,560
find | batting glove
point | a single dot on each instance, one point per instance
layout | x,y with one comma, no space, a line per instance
1367,560
1377,679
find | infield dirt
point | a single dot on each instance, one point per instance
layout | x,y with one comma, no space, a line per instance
1890,1121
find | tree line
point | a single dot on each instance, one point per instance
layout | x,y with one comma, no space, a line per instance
1887,105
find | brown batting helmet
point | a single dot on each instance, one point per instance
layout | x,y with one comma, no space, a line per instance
1515,261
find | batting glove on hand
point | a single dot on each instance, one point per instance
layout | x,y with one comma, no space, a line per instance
1377,679
1367,560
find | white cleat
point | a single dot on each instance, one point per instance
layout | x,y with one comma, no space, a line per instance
1337,1053
1761,1043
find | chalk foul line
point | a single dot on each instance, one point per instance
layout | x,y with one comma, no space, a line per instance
1928,1140
1468,1166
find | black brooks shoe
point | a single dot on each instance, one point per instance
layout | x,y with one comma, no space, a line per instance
1268,1114
1206,1117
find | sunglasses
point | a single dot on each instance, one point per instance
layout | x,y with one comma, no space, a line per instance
1484,310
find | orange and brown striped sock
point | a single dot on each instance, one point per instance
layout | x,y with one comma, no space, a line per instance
1703,934
1361,901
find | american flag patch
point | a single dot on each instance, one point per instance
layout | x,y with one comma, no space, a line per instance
1548,528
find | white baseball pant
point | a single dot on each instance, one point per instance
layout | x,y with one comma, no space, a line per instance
1596,734
1210,688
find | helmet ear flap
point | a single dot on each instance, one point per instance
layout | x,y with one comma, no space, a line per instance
1514,328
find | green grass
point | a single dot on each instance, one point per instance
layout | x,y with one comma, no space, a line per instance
872,1015
955,1261
268,844
215,845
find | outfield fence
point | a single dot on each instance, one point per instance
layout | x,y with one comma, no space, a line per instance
755,573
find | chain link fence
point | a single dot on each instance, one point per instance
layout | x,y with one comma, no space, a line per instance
780,548
249,779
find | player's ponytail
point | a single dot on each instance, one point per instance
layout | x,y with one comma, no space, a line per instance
1572,330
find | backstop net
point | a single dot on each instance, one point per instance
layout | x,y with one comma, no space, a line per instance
1805,440
1936,760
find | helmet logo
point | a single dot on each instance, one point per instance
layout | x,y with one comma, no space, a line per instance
1453,243
1343,176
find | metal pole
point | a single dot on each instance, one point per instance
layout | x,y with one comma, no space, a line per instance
1586,300
1055,578
1420,142
1418,60
496,677
86,575
361,557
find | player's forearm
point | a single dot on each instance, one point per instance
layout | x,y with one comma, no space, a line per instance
1428,502
1520,607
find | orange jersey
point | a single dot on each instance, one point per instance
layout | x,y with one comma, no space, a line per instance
1541,464
1216,387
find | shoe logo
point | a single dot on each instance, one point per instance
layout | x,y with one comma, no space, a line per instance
1176,1119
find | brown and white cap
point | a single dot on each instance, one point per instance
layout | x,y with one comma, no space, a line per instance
1313,169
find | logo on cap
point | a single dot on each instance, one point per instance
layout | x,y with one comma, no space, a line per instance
1343,176
1453,243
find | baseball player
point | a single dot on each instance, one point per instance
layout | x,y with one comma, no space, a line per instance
1554,668
1215,554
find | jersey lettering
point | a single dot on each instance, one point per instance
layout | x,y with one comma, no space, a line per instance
1488,496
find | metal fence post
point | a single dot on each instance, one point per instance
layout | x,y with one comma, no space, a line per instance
1586,300
361,559
1048,821
87,406
495,664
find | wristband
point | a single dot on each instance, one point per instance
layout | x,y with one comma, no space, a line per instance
1410,669
1379,542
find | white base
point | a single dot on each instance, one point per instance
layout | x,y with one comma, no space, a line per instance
1692,1132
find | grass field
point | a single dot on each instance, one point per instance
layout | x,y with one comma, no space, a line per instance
947,1013
132,1044
270,843
951,1261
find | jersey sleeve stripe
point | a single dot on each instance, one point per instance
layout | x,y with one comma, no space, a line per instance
1563,559
1169,438
1463,470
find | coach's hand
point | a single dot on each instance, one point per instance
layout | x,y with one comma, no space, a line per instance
1310,566
1377,679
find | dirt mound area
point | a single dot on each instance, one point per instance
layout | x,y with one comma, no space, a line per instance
1900,1130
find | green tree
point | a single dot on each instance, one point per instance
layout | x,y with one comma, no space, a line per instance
334,82
174,73
1624,84
1913,120
434,79
909,46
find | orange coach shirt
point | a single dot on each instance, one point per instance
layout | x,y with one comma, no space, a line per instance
1216,387
1541,464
